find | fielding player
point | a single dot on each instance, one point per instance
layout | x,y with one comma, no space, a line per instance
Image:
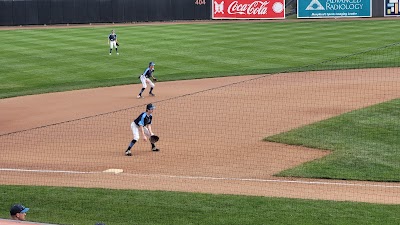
112,41
145,78
142,125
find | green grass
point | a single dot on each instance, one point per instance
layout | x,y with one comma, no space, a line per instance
125,207
364,143
50,60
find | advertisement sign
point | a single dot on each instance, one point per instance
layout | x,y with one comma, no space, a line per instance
333,8
392,8
248,9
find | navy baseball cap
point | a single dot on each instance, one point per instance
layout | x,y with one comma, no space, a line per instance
150,106
18,208
152,64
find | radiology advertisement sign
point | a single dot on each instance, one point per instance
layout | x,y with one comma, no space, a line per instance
333,8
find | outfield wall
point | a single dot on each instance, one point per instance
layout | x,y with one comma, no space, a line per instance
37,12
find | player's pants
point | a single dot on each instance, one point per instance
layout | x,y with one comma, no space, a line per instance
145,80
113,44
136,131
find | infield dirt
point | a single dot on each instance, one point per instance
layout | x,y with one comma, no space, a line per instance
196,172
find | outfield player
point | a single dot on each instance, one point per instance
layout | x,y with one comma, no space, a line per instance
145,78
142,125
112,41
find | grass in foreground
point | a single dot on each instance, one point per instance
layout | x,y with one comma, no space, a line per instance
365,145
50,60
122,207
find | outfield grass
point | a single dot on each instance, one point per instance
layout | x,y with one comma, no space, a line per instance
49,60
364,143
86,206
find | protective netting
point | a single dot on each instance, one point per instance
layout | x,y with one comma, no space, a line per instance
215,135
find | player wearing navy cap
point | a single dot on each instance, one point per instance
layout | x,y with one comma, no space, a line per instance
18,212
145,78
142,125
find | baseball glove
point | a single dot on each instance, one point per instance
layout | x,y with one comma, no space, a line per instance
117,44
154,138
154,79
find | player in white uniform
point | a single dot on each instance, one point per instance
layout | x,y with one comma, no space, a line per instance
112,41
142,125
145,78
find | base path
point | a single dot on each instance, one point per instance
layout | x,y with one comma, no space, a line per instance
243,164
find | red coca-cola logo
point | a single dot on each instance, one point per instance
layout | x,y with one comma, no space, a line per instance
254,8
248,9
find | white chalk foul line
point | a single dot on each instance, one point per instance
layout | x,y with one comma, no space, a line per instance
61,171
211,178
267,180
46,171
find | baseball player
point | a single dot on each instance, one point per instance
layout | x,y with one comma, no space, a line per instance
112,41
145,78
142,125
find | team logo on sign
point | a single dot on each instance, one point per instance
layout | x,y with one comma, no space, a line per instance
315,5
219,8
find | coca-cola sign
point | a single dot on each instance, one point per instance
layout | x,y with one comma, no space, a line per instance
248,9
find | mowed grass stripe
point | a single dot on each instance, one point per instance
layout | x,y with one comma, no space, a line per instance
364,145
204,50
186,208
80,206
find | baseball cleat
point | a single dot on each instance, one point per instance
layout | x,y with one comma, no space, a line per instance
139,96
128,153
117,53
155,149
151,94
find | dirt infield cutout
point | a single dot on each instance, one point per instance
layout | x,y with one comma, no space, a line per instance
189,174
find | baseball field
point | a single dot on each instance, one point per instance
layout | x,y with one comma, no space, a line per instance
284,122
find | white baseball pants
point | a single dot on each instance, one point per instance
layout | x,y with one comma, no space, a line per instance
146,80
136,131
